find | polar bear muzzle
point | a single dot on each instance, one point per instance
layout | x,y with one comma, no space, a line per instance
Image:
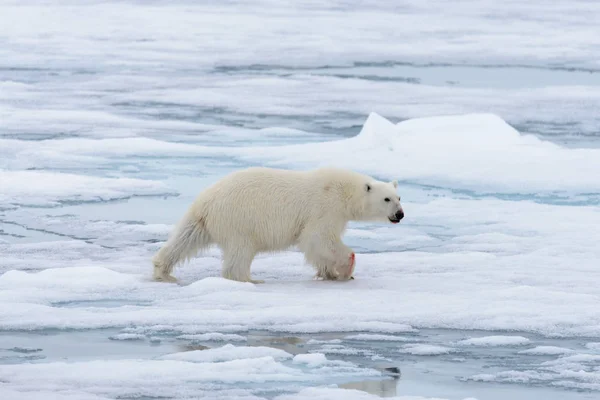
396,217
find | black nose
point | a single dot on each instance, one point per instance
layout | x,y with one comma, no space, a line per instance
399,215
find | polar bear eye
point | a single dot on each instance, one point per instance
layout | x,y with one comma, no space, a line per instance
387,199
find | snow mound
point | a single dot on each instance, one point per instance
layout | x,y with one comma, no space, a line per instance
478,152
228,352
312,360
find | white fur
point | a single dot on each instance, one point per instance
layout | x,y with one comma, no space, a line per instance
264,210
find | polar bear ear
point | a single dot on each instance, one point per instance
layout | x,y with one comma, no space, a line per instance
395,183
367,187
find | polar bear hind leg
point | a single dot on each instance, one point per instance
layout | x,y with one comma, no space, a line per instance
189,237
237,261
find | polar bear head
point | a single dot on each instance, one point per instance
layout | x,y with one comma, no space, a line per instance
382,203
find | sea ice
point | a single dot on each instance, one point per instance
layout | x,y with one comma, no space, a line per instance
220,372
501,227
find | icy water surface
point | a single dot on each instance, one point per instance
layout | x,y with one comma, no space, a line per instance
113,116
428,362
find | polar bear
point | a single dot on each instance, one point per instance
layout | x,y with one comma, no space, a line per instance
266,210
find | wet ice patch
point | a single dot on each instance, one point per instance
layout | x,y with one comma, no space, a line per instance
213,337
425,350
546,351
499,340
571,371
378,337
41,188
593,346
19,354
345,350
25,350
127,336
6,393
324,341
100,231
331,393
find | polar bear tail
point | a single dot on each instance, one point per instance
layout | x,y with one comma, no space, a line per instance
189,237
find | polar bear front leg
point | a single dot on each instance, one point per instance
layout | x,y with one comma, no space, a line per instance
332,259
237,261
344,266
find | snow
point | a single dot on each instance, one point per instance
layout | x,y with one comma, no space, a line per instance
458,285
495,341
213,304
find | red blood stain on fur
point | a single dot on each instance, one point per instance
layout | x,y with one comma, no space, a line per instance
352,262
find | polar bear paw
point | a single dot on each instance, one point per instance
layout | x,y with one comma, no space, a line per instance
165,278
341,272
